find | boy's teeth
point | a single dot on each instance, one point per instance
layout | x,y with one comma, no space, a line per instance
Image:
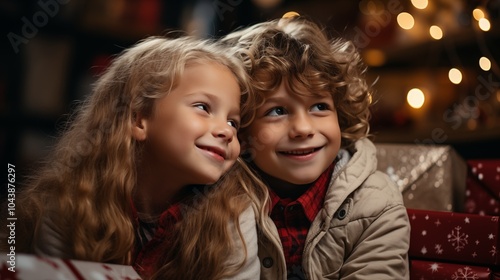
299,152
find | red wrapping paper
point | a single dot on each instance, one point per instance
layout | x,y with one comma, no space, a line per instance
487,173
429,270
454,237
479,200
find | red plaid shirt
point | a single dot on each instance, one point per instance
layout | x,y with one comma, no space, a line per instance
293,219
152,239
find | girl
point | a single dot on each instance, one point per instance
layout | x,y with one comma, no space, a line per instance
332,215
127,182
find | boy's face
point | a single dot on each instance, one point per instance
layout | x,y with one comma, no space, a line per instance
294,138
191,135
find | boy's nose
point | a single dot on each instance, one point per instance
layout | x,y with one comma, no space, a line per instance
301,126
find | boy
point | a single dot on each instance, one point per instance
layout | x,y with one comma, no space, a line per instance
333,215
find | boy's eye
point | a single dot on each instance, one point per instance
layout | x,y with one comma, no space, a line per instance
234,124
202,106
276,111
320,107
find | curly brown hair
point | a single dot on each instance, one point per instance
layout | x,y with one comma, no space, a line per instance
297,52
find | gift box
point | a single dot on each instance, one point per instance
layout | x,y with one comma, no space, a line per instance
483,187
29,267
487,172
454,237
430,177
429,270
479,200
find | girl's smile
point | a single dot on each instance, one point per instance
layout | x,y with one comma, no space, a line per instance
217,153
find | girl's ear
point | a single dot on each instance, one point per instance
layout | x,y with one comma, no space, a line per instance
139,127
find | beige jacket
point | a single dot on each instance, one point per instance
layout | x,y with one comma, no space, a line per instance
362,232
51,244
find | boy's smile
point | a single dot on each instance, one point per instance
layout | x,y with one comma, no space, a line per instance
300,154
295,137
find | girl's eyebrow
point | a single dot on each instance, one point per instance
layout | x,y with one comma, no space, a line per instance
216,99
211,96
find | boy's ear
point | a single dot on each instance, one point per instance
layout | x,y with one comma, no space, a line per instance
139,127
246,149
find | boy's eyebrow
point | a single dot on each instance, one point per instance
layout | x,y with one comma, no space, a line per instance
284,98
275,99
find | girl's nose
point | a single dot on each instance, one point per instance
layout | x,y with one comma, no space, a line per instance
224,131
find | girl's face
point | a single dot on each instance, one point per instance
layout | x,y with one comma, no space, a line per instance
191,135
294,138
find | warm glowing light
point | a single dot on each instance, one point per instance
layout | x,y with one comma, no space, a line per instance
484,24
455,76
498,95
472,124
478,14
415,98
436,32
405,20
267,3
485,63
420,4
374,57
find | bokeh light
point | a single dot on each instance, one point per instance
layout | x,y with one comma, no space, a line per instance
436,32
455,76
415,98
484,24
478,14
405,20
485,63
420,4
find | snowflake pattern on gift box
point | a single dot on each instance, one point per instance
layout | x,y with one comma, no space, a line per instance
434,267
439,249
493,251
458,239
483,181
454,236
464,274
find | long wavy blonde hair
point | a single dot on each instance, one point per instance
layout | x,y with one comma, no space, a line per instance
204,249
296,51
86,187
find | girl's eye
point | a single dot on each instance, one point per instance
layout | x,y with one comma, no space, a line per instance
320,107
276,111
234,124
202,106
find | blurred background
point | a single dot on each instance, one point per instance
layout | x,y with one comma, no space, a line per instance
434,64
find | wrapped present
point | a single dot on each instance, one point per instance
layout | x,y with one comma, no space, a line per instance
479,200
487,172
429,270
429,177
28,267
454,237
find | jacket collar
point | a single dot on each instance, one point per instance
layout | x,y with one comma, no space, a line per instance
348,175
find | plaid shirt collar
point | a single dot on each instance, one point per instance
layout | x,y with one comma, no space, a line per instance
312,200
